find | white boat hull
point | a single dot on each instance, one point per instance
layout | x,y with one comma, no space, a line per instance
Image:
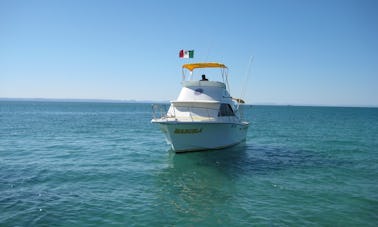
196,136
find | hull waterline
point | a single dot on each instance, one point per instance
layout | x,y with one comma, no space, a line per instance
184,137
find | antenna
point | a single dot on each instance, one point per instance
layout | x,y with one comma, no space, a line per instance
248,73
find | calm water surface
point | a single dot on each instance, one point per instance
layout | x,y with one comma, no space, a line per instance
98,164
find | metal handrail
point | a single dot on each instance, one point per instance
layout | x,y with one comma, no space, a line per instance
159,111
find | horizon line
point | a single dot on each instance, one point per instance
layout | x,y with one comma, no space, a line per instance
99,100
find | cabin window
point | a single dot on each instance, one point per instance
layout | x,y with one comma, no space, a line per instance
225,110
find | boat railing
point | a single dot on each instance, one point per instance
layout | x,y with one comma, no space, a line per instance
240,112
160,111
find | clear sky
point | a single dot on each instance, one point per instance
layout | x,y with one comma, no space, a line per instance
305,51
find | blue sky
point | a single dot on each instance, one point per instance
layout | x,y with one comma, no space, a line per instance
305,52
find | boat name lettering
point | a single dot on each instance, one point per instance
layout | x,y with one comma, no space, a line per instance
188,131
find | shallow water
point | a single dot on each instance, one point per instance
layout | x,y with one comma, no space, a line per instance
106,164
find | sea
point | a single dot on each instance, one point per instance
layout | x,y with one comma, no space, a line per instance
106,164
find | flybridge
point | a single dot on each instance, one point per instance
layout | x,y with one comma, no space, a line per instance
205,65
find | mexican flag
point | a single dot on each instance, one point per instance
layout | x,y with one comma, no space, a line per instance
186,53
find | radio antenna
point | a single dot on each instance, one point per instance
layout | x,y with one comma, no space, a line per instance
248,74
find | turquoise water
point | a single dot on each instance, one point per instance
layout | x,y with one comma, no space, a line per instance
99,164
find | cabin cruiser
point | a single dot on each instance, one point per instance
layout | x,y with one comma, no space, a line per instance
204,116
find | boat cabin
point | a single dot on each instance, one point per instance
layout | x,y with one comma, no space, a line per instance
204,100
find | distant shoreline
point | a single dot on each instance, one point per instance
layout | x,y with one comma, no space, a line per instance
166,102
80,100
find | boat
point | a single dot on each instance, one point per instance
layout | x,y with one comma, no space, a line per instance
204,116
